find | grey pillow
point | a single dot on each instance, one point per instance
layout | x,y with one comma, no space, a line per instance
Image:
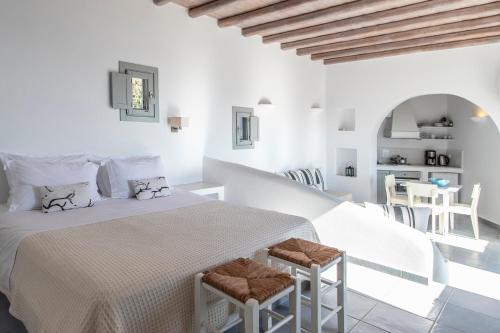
417,217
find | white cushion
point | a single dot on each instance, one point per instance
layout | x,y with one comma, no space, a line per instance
66,197
151,188
25,176
122,171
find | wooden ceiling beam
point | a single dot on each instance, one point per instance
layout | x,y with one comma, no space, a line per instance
447,38
453,16
386,16
333,13
426,48
252,14
161,2
480,23
209,7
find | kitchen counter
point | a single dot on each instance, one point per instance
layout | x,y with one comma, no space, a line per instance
421,168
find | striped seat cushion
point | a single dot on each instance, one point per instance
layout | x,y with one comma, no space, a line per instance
308,177
417,217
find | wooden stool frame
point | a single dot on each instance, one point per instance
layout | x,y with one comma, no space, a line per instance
250,309
313,275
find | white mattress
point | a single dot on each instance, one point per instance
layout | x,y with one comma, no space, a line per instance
17,225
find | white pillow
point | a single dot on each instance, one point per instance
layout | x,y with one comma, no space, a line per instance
122,171
26,176
102,174
5,157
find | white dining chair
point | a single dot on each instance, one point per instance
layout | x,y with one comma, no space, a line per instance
390,190
468,209
417,192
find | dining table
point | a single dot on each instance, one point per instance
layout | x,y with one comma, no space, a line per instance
447,194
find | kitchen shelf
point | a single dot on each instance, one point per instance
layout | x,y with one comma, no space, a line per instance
423,139
435,127
429,139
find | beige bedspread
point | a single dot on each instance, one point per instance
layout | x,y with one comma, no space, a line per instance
135,274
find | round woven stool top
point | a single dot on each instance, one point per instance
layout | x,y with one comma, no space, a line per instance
244,279
304,253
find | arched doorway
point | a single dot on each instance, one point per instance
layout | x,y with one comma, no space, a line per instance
452,127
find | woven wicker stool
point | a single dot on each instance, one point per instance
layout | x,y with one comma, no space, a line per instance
310,260
251,287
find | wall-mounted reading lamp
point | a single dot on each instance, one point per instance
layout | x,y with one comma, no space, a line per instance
479,115
316,108
177,123
265,104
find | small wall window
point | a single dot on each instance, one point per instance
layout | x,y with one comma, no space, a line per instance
245,128
138,93
135,92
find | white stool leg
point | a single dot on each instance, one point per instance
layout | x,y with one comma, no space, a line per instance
252,316
295,303
262,256
316,298
341,293
200,304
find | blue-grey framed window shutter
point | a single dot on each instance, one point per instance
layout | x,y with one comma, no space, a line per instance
135,92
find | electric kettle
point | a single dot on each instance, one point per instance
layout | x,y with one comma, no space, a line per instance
443,160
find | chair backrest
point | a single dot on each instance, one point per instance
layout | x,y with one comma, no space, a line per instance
390,187
421,191
476,192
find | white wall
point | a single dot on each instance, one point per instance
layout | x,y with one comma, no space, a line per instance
375,87
56,56
480,142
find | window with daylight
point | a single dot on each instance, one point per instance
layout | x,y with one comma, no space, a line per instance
137,93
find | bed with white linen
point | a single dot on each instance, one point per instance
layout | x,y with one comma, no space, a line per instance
126,265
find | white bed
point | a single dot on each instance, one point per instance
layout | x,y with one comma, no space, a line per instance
126,265
14,227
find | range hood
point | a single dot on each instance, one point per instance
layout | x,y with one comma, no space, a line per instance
403,124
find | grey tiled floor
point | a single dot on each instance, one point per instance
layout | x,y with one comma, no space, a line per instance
454,311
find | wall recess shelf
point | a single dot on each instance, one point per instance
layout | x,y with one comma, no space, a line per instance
346,157
347,120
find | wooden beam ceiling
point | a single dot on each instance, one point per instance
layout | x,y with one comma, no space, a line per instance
334,13
338,31
405,25
436,47
387,16
440,39
438,30
252,14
